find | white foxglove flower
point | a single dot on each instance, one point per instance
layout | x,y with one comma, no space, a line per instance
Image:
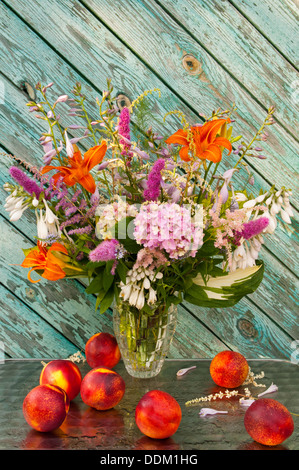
42,229
50,217
272,223
146,283
15,206
240,197
35,202
47,223
17,214
275,208
210,411
285,216
249,204
289,210
6,187
141,300
271,389
126,290
261,198
134,296
152,297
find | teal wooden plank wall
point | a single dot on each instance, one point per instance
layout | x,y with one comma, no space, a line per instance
238,51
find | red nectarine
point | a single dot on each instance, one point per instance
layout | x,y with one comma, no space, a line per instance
102,388
45,407
63,373
101,350
158,414
229,369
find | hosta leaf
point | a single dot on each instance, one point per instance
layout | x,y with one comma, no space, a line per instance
225,291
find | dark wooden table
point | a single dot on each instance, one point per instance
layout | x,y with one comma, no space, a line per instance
115,429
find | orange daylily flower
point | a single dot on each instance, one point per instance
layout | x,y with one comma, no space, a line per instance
41,258
204,143
79,169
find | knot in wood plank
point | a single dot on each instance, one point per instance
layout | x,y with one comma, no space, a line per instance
246,328
28,89
191,64
122,101
30,293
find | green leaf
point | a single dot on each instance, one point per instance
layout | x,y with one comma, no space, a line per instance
207,249
108,278
26,251
225,291
131,190
92,266
122,270
95,286
100,297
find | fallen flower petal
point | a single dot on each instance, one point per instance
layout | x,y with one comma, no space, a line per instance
184,371
246,402
210,411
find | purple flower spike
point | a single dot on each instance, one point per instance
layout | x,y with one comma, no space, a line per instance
154,181
252,228
29,185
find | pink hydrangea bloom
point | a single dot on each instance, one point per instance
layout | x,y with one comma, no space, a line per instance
168,227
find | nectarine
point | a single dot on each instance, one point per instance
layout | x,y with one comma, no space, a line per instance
101,350
63,373
158,414
229,369
102,388
268,422
45,407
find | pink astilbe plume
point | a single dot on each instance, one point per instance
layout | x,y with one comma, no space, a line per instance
105,251
150,259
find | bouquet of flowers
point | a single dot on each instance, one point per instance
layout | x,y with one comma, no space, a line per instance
149,220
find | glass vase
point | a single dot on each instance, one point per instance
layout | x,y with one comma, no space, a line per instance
144,337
